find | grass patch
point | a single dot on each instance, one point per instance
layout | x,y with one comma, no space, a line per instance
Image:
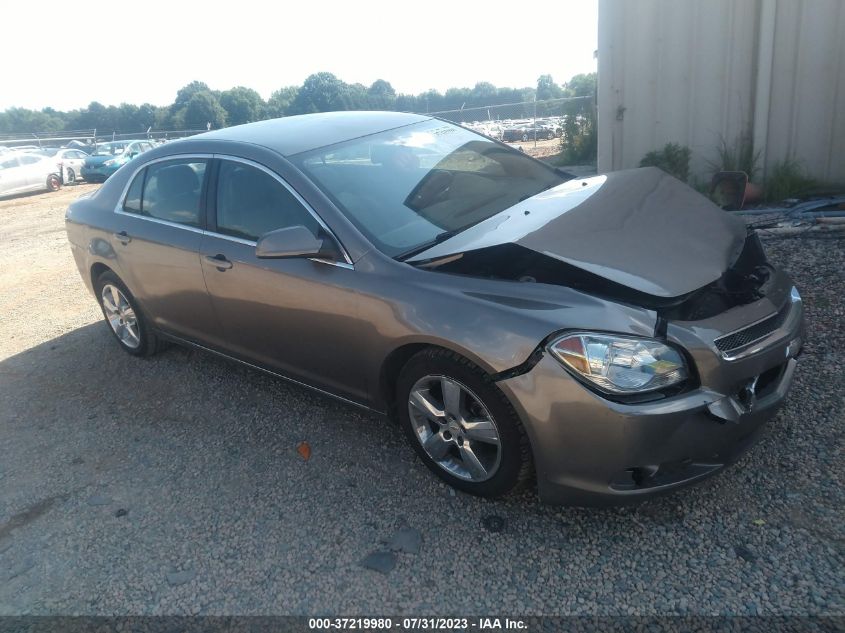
788,179
673,159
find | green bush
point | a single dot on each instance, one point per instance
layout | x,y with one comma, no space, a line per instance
673,159
579,142
787,179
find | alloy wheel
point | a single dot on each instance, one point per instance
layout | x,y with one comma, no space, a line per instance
121,316
455,428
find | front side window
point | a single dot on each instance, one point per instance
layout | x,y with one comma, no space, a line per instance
407,187
250,203
170,191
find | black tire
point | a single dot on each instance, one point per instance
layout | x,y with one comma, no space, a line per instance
54,183
149,342
71,176
524,138
550,136
515,466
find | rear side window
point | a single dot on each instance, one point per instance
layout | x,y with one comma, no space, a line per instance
170,191
251,203
132,204
29,160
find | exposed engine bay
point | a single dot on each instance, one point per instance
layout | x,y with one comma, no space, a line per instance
742,283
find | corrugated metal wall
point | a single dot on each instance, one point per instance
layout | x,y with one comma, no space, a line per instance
695,72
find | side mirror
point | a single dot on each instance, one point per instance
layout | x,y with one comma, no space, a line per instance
294,241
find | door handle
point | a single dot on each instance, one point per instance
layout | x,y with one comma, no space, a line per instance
122,237
219,261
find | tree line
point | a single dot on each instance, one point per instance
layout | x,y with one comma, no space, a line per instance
197,105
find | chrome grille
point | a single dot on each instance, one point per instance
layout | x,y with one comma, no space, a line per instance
748,335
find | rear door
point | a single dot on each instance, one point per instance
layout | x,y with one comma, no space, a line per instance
159,231
74,159
295,316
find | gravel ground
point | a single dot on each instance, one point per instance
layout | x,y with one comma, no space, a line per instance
174,485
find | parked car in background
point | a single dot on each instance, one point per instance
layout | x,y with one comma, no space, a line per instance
69,162
80,146
528,132
614,337
107,158
22,172
26,148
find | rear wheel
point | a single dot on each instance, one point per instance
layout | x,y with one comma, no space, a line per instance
124,317
54,183
461,425
71,176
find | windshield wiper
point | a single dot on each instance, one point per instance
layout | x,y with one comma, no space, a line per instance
440,237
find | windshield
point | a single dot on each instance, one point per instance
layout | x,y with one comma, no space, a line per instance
109,149
408,187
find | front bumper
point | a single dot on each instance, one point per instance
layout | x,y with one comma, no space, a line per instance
97,174
590,451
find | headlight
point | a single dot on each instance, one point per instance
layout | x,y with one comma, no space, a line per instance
620,364
110,162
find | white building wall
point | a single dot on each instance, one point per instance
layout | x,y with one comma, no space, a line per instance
694,72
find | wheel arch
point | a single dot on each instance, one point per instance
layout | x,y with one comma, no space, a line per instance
393,363
97,269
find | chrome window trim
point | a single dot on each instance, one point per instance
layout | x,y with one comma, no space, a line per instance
231,238
119,207
298,198
175,225
240,240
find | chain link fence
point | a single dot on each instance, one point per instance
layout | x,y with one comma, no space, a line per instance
541,128
88,137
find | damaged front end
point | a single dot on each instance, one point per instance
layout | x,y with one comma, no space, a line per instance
724,327
743,282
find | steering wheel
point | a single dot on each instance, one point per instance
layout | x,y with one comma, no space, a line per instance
432,189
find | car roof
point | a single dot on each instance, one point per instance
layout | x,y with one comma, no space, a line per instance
295,134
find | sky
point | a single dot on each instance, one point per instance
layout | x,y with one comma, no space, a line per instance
136,52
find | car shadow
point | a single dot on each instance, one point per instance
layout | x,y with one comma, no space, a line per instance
90,401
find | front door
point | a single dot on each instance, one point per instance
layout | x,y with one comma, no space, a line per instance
295,316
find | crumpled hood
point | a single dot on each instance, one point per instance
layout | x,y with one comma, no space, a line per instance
641,228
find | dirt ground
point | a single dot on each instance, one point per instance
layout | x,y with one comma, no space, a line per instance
173,485
38,271
540,149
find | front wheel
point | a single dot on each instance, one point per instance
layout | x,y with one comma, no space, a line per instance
524,138
124,317
461,425
71,176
